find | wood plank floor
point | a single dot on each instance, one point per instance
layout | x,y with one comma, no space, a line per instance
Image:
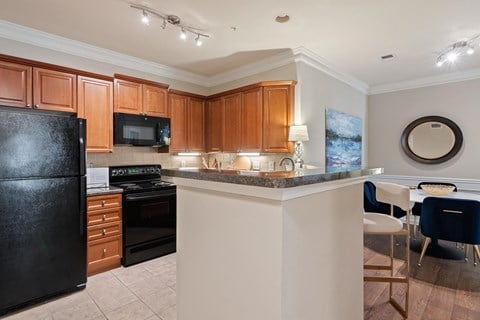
439,289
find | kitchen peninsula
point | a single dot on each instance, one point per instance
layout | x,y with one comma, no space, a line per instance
269,245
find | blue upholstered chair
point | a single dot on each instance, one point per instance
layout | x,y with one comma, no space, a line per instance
417,208
449,219
370,203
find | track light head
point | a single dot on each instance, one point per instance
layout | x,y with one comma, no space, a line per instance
145,19
198,41
183,34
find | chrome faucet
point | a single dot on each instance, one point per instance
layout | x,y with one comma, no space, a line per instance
289,159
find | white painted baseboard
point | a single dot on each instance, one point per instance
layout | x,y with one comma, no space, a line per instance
468,185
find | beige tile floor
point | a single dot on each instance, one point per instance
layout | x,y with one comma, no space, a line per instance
145,291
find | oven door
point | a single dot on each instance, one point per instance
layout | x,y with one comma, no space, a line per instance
149,216
135,130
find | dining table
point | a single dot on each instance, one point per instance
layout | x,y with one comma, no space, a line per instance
440,249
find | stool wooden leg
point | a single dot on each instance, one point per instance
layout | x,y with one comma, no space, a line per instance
466,253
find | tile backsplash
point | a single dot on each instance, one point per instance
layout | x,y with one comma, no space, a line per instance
127,155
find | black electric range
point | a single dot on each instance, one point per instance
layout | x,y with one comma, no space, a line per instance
149,212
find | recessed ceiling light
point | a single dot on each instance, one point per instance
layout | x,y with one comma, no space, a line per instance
388,57
233,28
282,18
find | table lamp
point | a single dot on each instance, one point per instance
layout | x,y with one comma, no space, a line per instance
298,133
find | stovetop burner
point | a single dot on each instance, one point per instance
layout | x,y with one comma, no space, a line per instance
130,186
143,178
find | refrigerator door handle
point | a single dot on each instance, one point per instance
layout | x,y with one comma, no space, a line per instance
83,205
82,141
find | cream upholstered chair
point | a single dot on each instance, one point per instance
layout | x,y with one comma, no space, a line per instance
382,224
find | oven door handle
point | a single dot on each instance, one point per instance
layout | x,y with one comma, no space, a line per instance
139,197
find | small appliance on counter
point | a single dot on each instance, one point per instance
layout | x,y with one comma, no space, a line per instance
97,178
149,212
42,206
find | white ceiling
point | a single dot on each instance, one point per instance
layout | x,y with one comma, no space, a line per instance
349,34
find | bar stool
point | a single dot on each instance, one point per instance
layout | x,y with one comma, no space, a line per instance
381,224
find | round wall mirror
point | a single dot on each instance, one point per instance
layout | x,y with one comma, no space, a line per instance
432,139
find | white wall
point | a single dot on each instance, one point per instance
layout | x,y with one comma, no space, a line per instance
27,51
317,91
390,113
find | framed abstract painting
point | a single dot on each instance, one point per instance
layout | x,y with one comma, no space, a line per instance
343,134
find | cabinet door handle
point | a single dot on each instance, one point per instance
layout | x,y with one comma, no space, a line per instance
104,232
35,106
103,203
104,250
28,105
104,217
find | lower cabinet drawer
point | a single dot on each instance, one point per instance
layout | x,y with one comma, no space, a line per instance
104,254
104,230
103,216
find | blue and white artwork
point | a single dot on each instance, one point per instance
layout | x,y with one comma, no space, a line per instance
343,143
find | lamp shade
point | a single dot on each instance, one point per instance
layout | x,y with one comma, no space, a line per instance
298,133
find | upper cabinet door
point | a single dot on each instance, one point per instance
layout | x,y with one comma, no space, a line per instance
155,101
277,117
214,125
54,90
252,129
232,125
177,105
196,125
95,103
15,85
128,97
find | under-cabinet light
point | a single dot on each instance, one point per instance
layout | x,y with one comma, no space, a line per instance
189,154
249,154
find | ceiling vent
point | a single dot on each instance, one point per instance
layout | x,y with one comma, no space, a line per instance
388,57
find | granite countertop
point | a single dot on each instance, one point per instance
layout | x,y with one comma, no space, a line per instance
98,191
273,179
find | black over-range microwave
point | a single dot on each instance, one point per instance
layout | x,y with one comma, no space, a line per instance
141,130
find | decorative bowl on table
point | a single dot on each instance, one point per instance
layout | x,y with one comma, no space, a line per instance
437,189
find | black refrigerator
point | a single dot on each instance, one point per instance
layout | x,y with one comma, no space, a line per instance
42,206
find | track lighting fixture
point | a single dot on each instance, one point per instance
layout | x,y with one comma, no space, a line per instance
171,20
458,49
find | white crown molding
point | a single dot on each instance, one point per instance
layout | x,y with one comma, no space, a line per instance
426,81
296,55
276,61
304,55
46,40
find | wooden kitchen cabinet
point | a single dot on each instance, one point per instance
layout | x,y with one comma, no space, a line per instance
138,96
196,124
256,118
15,85
104,232
252,121
128,97
214,125
187,120
25,86
278,101
232,123
155,101
95,103
54,90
